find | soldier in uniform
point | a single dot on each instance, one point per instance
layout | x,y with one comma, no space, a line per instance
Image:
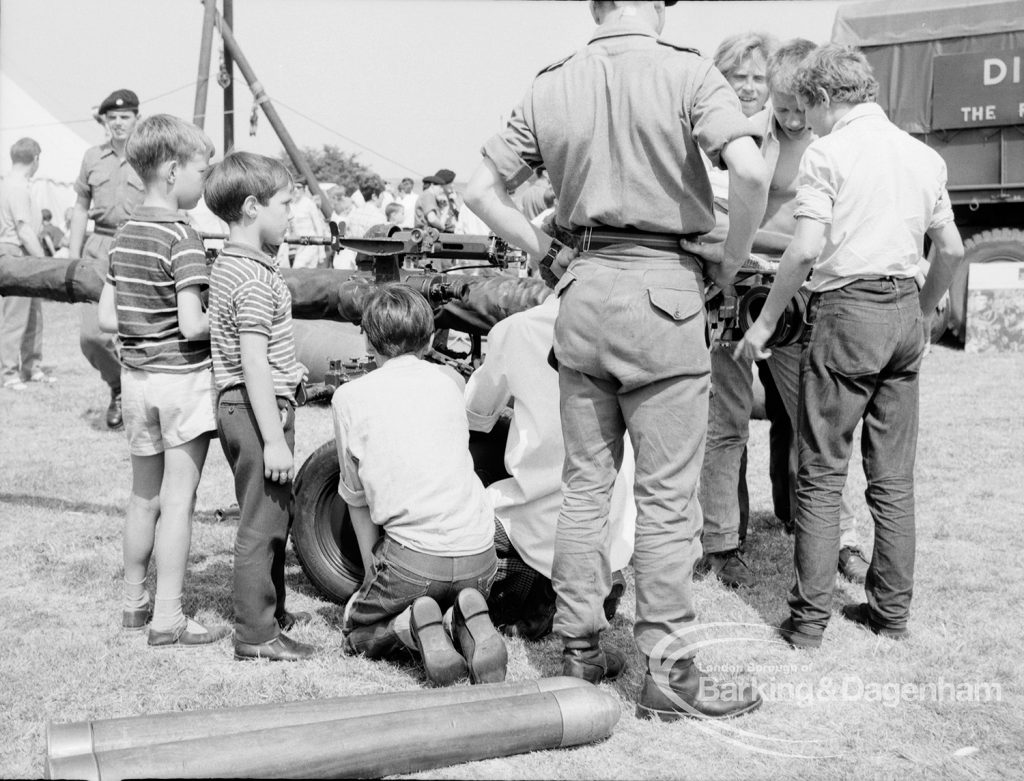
618,126
108,189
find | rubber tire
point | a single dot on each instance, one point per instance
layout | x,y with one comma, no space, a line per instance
988,246
322,535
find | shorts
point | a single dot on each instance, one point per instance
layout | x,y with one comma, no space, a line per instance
163,410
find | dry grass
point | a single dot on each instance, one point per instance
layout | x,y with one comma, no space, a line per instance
64,657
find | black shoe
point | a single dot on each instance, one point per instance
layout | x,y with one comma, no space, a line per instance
289,620
441,662
730,568
684,691
611,602
861,614
181,636
114,417
281,649
790,631
852,564
137,617
476,638
592,664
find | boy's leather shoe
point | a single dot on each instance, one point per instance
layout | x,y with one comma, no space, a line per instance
114,417
861,614
477,639
791,633
592,664
730,568
281,649
441,662
288,620
683,691
137,617
852,564
181,636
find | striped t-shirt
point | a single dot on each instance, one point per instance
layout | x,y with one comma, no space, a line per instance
249,295
153,256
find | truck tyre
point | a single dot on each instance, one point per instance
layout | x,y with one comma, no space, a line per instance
998,244
322,534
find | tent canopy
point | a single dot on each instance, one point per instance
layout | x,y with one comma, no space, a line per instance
882,22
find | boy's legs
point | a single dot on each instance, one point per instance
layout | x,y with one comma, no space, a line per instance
183,466
140,527
265,513
13,326
32,342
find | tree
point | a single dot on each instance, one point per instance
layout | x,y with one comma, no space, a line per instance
330,164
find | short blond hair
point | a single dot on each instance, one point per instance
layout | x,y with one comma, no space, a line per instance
841,72
784,62
163,137
731,52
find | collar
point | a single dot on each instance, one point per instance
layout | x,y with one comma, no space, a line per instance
624,26
157,214
240,250
107,149
860,111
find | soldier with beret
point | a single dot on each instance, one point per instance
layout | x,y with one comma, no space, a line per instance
618,126
107,190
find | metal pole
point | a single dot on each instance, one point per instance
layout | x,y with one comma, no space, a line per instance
263,100
229,90
199,113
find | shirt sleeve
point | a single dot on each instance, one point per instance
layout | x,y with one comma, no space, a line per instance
715,114
515,151
20,205
488,392
942,214
188,261
816,188
254,305
350,487
82,187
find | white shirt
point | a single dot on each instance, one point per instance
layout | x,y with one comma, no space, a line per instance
527,503
408,202
878,190
361,219
403,446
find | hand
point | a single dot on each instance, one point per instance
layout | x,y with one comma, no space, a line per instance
712,252
551,274
278,462
752,346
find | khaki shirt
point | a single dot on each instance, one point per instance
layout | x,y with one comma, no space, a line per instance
618,125
111,185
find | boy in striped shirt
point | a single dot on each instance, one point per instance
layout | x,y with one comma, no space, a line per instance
153,299
257,373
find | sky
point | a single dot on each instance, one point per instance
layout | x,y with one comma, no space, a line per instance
410,86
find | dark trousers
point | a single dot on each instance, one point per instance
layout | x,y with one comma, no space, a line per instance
400,577
265,510
861,364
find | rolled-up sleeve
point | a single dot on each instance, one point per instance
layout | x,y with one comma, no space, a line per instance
715,114
514,151
816,188
350,487
487,392
942,214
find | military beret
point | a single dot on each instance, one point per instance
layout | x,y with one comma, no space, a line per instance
120,100
446,176
432,180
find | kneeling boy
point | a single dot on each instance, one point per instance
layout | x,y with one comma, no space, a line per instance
406,468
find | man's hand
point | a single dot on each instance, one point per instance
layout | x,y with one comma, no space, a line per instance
712,252
752,346
551,274
278,464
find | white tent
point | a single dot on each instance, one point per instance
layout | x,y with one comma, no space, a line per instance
21,115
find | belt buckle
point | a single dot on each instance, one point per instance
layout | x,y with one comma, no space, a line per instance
584,245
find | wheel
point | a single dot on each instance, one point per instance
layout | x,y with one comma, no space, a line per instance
998,244
322,534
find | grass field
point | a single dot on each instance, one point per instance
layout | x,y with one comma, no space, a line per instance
947,703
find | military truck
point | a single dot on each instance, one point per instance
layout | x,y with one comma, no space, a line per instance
951,73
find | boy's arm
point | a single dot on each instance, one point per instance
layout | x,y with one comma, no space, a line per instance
487,391
949,253
107,314
192,320
278,461
367,533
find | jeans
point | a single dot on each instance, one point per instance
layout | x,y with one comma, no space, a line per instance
862,363
265,513
632,356
400,577
98,347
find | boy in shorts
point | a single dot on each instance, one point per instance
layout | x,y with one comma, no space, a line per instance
153,299
257,374
406,470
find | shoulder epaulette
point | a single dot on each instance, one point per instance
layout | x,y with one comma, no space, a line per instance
680,48
556,65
